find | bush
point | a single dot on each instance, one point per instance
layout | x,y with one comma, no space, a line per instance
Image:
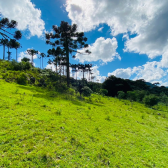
121,95
25,59
26,65
22,79
86,91
150,100
32,80
42,82
131,95
60,87
71,91
140,94
104,92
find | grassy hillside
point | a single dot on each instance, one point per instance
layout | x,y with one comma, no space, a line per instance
46,129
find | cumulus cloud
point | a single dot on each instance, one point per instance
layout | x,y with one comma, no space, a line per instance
146,19
25,13
122,73
103,49
120,15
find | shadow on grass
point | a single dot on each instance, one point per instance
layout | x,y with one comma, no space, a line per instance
96,104
75,102
31,88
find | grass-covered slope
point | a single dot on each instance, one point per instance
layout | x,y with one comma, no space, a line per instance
45,129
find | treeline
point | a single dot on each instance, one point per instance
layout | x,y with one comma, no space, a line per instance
138,90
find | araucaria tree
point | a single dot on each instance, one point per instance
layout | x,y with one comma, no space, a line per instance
6,35
32,53
68,40
42,56
16,46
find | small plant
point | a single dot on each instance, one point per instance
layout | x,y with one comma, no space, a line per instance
58,112
108,118
16,91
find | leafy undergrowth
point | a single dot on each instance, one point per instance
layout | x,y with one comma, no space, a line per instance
46,129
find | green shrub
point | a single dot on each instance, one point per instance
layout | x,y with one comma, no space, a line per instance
22,79
140,94
41,82
71,91
150,100
121,95
104,92
86,91
131,95
25,59
26,65
60,87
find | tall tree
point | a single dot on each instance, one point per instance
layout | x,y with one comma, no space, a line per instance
10,44
16,46
68,40
42,56
32,53
4,43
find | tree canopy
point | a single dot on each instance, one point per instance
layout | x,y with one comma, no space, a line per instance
6,24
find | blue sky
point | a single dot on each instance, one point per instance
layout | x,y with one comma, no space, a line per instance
128,40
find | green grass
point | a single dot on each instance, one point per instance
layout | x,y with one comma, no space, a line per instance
46,129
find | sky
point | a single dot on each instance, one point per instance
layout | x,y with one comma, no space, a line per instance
128,39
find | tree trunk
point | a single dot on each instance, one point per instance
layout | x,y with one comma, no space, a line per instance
3,52
16,54
63,70
67,56
83,76
56,67
32,59
8,54
42,62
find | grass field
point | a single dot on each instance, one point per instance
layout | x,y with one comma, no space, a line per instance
46,129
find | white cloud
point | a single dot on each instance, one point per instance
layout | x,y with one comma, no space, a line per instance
120,15
150,72
102,49
25,54
100,29
145,18
25,13
122,73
